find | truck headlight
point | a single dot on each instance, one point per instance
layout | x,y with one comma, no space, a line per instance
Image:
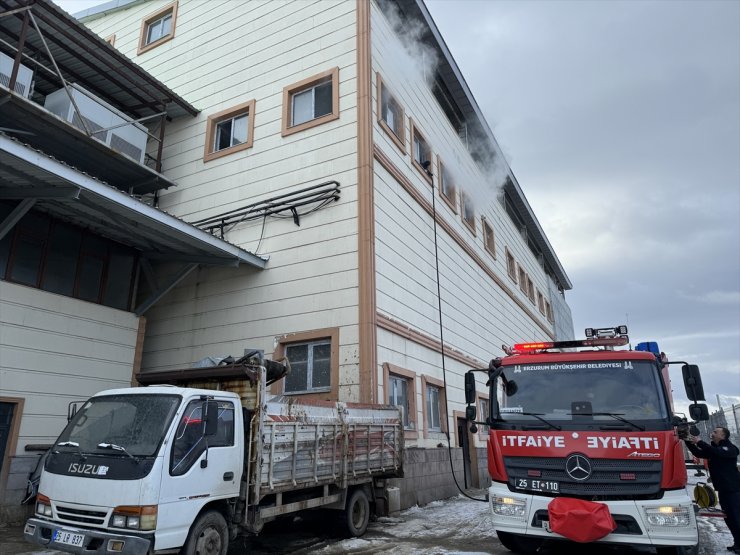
43,505
135,517
668,516
509,507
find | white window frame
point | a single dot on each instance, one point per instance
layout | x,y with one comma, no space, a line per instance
405,403
160,21
434,414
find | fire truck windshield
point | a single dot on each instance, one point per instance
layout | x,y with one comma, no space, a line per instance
602,393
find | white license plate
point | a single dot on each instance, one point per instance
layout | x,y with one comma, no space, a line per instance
537,485
68,538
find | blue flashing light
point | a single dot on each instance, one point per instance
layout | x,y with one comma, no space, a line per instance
649,346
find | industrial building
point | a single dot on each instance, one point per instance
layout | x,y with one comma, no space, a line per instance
184,180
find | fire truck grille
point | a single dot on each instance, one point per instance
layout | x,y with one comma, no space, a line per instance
610,478
84,517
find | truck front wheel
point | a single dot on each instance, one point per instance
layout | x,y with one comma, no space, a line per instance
209,535
519,544
357,513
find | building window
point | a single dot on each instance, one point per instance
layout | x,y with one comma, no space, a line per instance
230,131
421,154
158,28
488,240
400,385
390,114
111,40
523,280
541,302
314,362
447,189
484,407
510,265
467,211
548,312
310,366
60,258
434,418
434,409
530,289
311,102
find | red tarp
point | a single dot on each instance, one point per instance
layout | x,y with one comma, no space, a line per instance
580,521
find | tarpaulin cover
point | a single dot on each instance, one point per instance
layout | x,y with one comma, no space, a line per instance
580,521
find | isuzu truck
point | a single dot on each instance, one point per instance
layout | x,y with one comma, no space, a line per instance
189,466
584,444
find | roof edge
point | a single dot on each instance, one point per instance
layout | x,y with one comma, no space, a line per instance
105,9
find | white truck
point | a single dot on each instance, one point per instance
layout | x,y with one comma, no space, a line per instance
164,468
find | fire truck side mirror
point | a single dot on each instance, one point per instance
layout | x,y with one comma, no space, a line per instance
692,382
470,413
470,388
699,412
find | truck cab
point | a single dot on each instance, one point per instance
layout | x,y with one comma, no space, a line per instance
135,467
581,439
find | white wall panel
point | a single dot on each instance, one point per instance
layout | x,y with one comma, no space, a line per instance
225,53
55,350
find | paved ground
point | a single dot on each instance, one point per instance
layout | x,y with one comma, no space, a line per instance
453,526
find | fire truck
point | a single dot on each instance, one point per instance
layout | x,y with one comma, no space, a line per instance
584,445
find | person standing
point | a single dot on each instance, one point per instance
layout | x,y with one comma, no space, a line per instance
722,457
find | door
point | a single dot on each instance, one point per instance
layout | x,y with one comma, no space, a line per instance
6,421
463,441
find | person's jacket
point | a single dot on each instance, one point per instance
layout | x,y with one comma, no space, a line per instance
722,463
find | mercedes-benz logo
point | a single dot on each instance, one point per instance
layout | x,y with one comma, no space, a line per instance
578,467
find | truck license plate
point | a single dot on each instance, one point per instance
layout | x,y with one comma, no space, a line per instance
538,485
68,538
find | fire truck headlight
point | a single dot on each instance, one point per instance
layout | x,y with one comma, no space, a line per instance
668,516
509,507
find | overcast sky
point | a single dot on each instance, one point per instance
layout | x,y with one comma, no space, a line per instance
621,122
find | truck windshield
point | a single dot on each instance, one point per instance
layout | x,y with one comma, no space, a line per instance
606,393
136,423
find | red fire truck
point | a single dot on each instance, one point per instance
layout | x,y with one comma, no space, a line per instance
584,445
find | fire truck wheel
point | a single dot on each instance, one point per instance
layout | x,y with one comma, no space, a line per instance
519,544
357,513
209,535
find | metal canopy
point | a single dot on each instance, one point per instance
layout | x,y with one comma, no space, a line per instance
85,58
45,131
70,195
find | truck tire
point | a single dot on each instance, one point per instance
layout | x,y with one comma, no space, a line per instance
519,544
209,535
356,513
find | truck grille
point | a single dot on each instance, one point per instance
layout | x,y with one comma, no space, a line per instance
604,482
81,516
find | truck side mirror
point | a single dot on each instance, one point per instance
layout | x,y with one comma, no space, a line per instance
699,412
210,409
71,411
470,412
470,389
692,382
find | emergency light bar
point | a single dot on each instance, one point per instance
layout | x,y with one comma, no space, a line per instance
606,332
523,348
